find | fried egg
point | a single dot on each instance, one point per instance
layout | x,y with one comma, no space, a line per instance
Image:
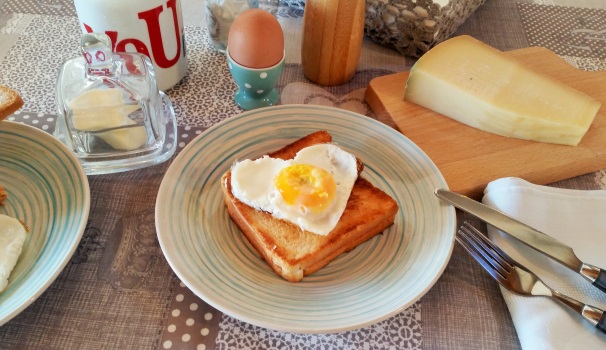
12,237
311,190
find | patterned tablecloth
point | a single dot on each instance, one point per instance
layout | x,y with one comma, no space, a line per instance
118,292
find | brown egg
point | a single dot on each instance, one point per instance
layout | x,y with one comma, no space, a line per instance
256,39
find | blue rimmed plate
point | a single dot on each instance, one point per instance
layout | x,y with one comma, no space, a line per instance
372,282
49,191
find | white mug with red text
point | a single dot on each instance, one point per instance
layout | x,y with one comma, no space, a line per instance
150,27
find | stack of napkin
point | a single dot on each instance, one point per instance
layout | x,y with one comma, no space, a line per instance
574,217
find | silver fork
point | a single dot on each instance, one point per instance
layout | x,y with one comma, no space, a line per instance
518,279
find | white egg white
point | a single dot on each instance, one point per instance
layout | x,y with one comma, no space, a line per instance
252,182
12,237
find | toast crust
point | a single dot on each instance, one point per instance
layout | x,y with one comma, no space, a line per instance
10,102
293,253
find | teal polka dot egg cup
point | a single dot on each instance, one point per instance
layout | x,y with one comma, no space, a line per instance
256,86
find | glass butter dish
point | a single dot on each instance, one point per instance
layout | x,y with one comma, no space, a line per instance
111,114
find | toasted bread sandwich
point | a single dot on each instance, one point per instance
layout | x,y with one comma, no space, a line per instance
293,252
10,101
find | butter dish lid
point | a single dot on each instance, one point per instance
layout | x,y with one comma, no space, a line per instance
100,68
111,113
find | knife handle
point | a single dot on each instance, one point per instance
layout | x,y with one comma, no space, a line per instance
595,275
602,323
600,282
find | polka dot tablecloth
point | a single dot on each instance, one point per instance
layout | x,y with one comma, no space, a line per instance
190,322
580,32
46,7
42,121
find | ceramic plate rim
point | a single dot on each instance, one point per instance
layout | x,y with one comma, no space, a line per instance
180,164
39,287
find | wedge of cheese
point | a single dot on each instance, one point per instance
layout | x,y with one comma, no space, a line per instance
475,84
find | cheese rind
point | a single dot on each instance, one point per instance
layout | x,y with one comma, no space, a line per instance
475,84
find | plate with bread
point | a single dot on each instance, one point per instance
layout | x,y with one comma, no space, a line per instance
305,219
44,207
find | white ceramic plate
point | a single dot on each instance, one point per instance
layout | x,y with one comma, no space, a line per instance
49,191
374,281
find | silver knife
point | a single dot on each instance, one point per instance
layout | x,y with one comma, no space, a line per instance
533,238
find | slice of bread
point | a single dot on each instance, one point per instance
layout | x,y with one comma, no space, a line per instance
293,253
10,101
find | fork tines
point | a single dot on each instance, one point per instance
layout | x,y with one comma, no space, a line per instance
491,257
516,277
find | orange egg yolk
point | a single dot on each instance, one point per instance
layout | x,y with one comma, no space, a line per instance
307,186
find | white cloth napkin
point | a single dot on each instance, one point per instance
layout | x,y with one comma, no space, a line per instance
574,217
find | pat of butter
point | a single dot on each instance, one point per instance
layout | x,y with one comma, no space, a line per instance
99,109
477,85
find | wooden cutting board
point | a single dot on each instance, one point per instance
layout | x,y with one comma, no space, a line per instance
470,158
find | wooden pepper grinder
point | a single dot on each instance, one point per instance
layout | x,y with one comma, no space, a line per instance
332,40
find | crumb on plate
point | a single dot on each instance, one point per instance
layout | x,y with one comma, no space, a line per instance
3,195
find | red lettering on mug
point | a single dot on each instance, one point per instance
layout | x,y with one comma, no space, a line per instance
152,18
152,21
